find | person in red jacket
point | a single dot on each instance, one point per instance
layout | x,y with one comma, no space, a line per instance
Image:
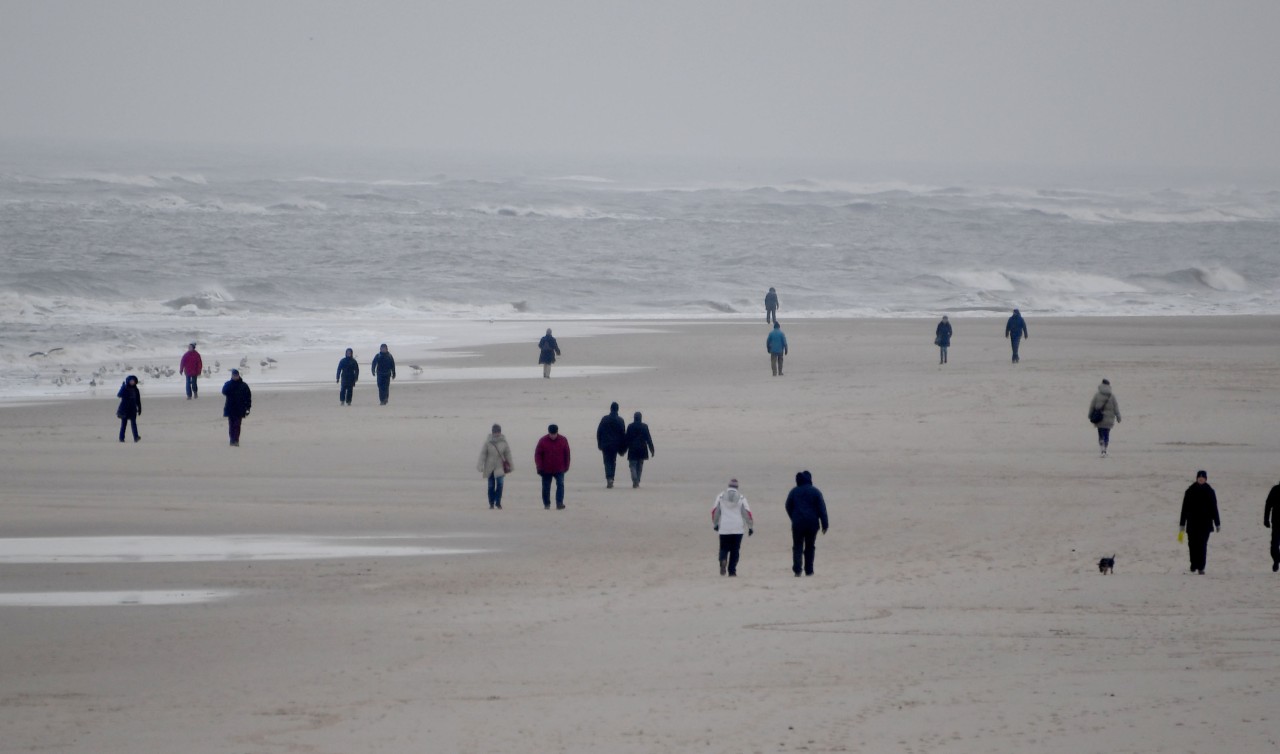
551,459
190,367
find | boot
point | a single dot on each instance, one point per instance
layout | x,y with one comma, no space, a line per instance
724,567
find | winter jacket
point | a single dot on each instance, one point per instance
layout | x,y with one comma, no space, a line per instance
551,456
191,364
494,451
1200,508
548,350
1106,402
130,401
776,342
771,300
731,514
1016,327
348,370
239,398
611,435
807,508
639,441
383,366
944,334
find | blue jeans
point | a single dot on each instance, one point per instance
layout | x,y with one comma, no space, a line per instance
191,385
803,544
495,490
384,388
546,489
1015,340
344,393
637,468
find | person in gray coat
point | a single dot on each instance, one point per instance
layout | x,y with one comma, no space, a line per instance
1104,413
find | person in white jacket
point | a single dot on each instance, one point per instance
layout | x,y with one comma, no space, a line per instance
730,516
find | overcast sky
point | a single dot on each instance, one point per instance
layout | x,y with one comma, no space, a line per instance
963,81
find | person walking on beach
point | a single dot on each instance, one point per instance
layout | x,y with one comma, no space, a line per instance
190,367
348,374
384,369
808,513
1273,507
611,439
239,401
776,345
548,350
1104,413
730,516
942,339
551,459
1199,519
495,464
771,306
1015,330
130,406
639,447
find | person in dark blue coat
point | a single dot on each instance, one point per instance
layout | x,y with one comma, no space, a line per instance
611,439
942,339
384,369
1199,519
548,350
236,408
808,512
639,447
130,406
348,373
1015,330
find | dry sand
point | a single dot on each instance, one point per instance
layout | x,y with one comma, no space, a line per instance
956,605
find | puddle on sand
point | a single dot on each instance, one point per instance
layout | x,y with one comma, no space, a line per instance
208,549
104,599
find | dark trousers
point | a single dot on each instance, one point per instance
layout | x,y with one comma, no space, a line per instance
384,389
1104,436
1198,544
730,544
191,385
1014,340
770,315
637,468
128,420
803,543
610,463
344,393
495,490
233,428
546,489
1275,542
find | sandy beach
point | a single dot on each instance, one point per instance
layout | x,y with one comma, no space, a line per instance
956,604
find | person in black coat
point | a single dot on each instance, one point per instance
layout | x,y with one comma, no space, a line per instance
130,406
384,369
808,512
1015,330
1273,506
1199,519
639,447
239,401
942,338
548,350
611,439
348,373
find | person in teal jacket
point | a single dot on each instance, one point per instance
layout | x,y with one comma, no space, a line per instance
776,345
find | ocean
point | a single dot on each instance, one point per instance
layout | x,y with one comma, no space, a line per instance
115,258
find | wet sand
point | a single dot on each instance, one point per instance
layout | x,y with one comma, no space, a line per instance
956,606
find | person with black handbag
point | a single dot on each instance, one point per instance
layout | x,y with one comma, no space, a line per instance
1104,413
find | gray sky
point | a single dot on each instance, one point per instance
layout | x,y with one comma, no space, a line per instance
1007,82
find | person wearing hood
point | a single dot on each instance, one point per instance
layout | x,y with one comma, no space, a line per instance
551,459
130,406
1015,330
190,367
1273,506
776,344
730,516
384,369
1199,519
771,306
236,408
495,464
611,439
548,350
1104,413
942,338
639,447
808,513
348,374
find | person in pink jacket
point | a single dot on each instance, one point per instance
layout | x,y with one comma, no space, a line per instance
190,367
551,459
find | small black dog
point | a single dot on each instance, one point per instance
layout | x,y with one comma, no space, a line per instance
1107,565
